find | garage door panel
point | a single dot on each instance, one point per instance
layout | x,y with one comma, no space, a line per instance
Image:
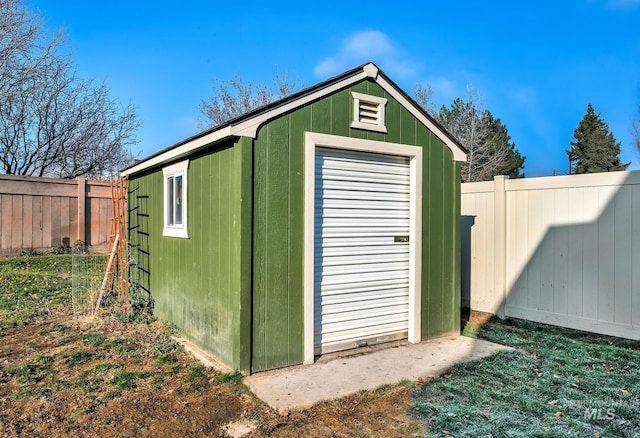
350,311
392,204
333,282
384,292
356,243
364,181
328,224
340,161
366,192
361,278
368,284
368,324
354,213
345,272
363,162
354,259
337,251
395,329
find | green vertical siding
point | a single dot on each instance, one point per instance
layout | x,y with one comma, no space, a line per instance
277,329
235,287
203,284
278,245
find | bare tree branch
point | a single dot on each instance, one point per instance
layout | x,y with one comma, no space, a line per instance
234,97
488,146
423,95
53,123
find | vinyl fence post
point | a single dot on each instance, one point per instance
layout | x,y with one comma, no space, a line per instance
500,243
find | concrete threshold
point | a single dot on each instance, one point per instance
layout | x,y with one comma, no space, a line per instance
302,386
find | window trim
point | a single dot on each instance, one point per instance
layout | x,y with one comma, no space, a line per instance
177,169
379,102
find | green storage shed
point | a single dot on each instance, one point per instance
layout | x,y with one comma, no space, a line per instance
325,221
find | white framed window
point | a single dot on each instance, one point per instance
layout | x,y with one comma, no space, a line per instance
368,112
175,200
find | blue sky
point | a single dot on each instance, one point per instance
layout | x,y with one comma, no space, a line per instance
536,64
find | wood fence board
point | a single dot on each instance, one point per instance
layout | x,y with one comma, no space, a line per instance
38,188
73,220
64,221
37,213
47,236
36,222
27,220
16,222
56,232
7,219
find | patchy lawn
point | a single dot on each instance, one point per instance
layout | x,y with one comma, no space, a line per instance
110,378
31,287
557,382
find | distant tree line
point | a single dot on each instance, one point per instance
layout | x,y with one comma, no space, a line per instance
490,149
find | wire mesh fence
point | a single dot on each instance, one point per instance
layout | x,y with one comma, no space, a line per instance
101,282
87,274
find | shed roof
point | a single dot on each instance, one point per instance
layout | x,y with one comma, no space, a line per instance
247,125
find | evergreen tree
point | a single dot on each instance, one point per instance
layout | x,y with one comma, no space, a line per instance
490,149
595,148
499,141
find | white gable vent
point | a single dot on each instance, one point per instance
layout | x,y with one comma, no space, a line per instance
368,112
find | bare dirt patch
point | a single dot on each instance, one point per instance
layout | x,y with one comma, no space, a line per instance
114,379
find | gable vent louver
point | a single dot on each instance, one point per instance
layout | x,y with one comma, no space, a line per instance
368,112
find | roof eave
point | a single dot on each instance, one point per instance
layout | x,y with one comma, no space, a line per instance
248,124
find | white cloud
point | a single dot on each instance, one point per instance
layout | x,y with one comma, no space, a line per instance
364,46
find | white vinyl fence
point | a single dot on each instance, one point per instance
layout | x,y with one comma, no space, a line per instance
561,250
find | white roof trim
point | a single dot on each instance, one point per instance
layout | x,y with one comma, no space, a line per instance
249,127
180,151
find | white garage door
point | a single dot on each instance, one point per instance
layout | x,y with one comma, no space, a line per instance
361,277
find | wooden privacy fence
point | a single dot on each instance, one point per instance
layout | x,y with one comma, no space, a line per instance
43,213
559,250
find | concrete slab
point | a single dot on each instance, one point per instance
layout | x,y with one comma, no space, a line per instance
302,386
